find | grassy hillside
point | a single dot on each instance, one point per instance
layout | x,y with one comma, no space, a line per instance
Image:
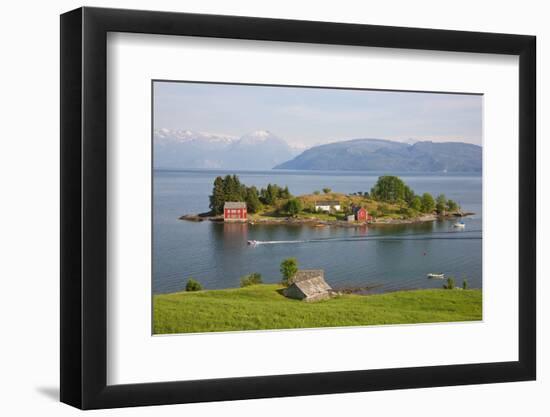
263,307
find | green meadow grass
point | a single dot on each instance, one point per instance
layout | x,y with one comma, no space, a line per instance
262,307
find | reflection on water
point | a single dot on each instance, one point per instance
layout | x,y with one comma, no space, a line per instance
396,256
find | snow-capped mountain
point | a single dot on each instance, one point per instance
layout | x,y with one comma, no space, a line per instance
182,149
409,141
164,136
259,136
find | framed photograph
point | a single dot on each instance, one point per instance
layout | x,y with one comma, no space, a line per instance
256,208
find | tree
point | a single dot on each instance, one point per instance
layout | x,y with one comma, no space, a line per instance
428,203
440,204
284,193
416,203
252,199
228,188
263,196
293,206
316,192
251,279
452,206
408,195
193,285
270,194
450,285
326,190
465,284
217,199
233,188
288,269
391,189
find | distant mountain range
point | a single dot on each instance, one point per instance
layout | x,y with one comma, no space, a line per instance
181,149
389,156
262,150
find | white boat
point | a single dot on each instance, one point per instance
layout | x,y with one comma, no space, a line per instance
433,275
459,225
252,242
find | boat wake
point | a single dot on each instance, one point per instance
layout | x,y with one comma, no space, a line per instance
384,238
276,242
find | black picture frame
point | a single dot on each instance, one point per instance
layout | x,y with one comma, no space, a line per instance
84,207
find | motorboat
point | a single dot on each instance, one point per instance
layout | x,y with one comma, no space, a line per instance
252,242
459,225
433,275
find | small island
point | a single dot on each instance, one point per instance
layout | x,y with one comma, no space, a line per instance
390,201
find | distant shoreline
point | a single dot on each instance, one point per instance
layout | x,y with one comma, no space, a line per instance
218,171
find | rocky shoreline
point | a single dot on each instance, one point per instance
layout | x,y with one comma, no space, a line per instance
313,221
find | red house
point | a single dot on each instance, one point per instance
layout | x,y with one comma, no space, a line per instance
361,214
234,211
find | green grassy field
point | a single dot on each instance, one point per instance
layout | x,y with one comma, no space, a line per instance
262,307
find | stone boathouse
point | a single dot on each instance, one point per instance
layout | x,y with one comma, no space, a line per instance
308,285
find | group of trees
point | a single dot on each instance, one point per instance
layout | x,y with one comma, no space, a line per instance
230,188
392,189
451,284
272,193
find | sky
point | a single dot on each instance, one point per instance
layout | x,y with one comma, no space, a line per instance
306,117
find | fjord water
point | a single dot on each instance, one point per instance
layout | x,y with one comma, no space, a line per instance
390,257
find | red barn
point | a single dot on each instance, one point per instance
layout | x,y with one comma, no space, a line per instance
234,211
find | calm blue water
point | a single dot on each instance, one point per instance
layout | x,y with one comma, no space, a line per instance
394,257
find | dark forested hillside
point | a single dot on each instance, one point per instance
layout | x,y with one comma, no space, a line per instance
386,155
